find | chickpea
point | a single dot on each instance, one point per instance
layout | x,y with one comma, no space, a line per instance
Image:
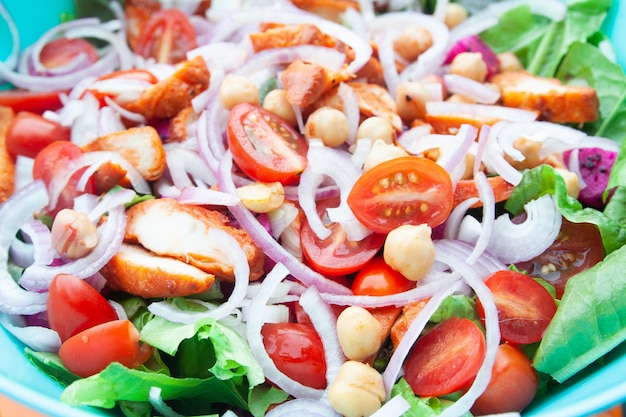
237,89
382,152
359,333
411,98
470,65
572,185
358,390
376,127
328,124
455,14
73,234
409,250
262,197
531,151
276,102
509,62
412,42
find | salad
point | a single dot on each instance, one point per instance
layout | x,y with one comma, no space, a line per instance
335,208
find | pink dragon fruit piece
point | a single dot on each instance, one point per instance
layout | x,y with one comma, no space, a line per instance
474,43
595,167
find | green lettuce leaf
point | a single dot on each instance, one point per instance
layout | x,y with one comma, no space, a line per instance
590,321
420,407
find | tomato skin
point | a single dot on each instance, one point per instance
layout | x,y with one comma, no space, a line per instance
378,279
513,383
297,351
335,255
446,359
74,306
525,308
92,350
166,36
406,190
264,146
32,101
29,133
579,241
62,51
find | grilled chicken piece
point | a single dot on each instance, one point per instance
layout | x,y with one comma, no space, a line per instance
139,272
555,101
169,96
168,228
304,83
182,125
141,146
7,164
282,36
328,9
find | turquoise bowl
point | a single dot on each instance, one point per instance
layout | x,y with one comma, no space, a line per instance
598,387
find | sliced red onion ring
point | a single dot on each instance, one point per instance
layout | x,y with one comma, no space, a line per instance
478,92
21,254
309,184
209,133
494,157
267,243
204,196
451,228
387,58
109,122
489,212
14,212
480,110
394,367
453,157
282,217
110,234
573,164
234,255
38,338
325,323
483,137
305,407
39,235
395,407
485,265
512,242
132,116
351,110
105,33
110,201
255,340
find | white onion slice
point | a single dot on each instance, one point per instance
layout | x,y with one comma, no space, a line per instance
204,196
478,92
395,407
38,338
512,242
480,110
489,212
484,266
351,110
282,217
304,407
156,400
234,255
39,234
325,323
127,114
255,340
14,212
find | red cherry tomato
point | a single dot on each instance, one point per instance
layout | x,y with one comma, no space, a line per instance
28,133
264,146
92,350
378,278
74,306
62,51
33,101
577,247
297,351
513,383
335,255
525,308
167,37
446,359
406,190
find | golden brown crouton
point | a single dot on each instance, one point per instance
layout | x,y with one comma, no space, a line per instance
141,146
290,35
169,228
169,96
555,101
139,272
7,165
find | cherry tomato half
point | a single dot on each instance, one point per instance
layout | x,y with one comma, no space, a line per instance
90,351
62,51
513,383
297,351
335,255
167,37
32,101
74,306
378,278
406,190
525,308
446,359
264,146
29,133
577,247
